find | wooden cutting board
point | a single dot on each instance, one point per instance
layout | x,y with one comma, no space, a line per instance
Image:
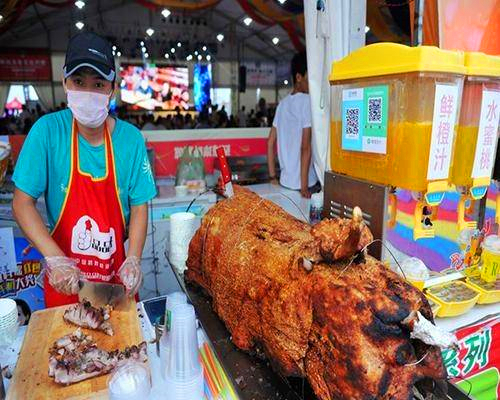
31,379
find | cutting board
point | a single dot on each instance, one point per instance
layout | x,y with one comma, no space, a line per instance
31,379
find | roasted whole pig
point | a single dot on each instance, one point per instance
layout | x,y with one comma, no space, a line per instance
86,316
312,301
76,357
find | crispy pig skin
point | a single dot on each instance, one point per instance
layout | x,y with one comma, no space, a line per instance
339,324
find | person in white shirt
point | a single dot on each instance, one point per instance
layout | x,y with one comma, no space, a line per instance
291,131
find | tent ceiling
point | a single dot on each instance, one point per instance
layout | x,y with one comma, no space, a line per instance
125,23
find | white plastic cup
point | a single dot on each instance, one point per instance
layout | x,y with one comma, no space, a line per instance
130,381
184,375
172,300
181,231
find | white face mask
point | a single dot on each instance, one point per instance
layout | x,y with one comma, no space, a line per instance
89,108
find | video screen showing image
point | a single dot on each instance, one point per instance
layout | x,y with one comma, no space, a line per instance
151,87
202,81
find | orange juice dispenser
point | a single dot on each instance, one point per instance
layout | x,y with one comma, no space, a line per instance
393,120
474,155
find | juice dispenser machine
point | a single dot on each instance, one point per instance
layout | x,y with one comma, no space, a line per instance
393,120
474,155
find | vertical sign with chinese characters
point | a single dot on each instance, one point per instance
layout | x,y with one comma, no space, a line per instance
474,365
443,131
484,158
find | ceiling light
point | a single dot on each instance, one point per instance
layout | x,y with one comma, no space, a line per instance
142,43
220,37
166,13
114,48
143,49
1,17
247,21
167,55
282,1
179,44
276,40
285,82
114,54
146,55
119,53
150,31
172,50
367,29
196,53
199,57
189,57
80,4
209,57
80,25
204,48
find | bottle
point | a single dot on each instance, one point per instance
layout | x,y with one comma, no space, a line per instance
316,208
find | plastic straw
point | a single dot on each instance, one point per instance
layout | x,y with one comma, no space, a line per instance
209,380
217,371
211,372
226,380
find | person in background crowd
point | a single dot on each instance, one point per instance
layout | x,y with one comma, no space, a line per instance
291,131
262,106
188,121
203,121
96,178
25,114
232,122
242,118
149,125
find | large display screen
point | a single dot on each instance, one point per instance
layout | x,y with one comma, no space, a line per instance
201,85
152,87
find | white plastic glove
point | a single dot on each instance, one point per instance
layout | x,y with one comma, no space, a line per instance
63,274
131,275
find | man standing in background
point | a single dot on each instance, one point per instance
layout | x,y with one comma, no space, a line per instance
291,131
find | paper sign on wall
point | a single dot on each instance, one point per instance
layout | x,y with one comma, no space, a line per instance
443,131
484,158
8,261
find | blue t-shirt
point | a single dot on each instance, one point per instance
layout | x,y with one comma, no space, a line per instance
43,165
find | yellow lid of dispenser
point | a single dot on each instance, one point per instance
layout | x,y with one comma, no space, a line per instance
481,64
393,58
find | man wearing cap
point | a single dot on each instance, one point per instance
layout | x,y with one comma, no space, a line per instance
96,178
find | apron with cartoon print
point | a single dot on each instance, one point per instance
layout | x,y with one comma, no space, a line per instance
91,226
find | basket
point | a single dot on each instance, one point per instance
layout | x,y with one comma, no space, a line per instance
487,296
452,308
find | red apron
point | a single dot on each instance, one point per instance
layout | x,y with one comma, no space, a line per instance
91,226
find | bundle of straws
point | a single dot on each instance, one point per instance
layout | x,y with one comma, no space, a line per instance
217,385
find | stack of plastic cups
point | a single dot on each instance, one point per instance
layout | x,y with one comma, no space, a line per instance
181,232
184,374
173,299
8,321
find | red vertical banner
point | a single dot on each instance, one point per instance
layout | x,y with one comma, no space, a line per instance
475,365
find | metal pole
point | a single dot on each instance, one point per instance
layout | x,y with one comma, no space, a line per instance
420,22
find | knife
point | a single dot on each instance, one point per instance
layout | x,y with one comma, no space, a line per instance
101,293
227,184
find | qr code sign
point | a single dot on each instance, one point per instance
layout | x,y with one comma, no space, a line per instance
375,110
352,123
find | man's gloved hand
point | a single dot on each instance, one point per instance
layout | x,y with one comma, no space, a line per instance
131,275
63,274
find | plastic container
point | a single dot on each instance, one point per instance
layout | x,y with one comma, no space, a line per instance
435,306
490,291
172,300
406,78
483,74
316,208
130,381
182,227
490,256
184,374
447,296
415,272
